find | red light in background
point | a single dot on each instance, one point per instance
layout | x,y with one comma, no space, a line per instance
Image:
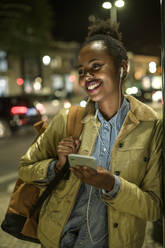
72,78
20,81
18,110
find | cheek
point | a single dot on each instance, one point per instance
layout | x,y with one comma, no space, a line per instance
109,80
105,75
81,82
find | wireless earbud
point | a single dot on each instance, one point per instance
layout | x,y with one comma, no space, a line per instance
121,72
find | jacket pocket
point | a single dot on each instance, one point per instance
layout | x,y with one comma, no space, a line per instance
129,232
132,163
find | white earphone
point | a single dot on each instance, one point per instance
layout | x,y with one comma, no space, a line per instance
121,72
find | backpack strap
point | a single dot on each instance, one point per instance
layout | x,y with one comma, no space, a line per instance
74,126
40,126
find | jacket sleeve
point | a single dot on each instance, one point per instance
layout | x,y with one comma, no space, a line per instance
144,202
33,166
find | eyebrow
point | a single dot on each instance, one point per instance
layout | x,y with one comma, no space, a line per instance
90,61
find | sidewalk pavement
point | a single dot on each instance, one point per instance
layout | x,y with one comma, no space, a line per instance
7,241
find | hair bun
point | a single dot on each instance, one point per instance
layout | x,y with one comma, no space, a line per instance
105,27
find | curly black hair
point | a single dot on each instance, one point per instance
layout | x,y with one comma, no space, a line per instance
109,33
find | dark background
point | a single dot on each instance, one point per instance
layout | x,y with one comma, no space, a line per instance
140,22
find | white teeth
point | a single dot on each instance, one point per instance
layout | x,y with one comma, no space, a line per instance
92,86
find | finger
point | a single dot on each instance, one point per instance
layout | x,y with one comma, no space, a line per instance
77,144
100,169
86,173
77,173
83,172
90,171
70,138
67,141
63,153
64,149
77,141
68,144
78,168
86,169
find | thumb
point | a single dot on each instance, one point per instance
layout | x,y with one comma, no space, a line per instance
77,144
100,169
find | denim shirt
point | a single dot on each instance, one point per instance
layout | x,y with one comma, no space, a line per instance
88,222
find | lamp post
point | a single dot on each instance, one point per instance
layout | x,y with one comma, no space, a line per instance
113,8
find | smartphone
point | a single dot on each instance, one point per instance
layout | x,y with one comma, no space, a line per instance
82,160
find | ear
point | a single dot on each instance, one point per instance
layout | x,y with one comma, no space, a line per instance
124,65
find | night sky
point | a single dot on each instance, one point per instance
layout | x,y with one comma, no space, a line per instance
140,22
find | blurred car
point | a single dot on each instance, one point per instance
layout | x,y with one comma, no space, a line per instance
17,112
49,105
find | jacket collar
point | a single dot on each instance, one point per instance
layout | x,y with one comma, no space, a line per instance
138,111
141,111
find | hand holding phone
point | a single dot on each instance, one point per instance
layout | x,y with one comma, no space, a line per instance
66,146
82,160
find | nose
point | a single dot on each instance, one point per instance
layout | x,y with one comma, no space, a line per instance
89,76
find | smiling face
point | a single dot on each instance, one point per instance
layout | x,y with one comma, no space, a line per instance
97,72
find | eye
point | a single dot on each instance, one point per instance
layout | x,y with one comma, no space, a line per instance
96,66
81,72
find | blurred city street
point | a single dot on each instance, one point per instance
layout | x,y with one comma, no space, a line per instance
11,149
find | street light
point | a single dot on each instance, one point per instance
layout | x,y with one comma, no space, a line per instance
119,3
113,8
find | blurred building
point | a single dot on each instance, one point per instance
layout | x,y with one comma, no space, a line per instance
59,69
139,65
55,73
4,71
144,77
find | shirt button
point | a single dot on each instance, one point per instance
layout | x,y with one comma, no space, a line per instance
145,159
107,127
120,144
117,173
115,225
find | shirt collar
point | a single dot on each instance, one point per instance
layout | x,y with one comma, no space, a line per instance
117,120
138,111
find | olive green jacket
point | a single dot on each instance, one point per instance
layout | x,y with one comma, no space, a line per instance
136,156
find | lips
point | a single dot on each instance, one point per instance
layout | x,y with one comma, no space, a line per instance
93,84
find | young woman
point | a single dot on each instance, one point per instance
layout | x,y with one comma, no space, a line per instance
108,207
